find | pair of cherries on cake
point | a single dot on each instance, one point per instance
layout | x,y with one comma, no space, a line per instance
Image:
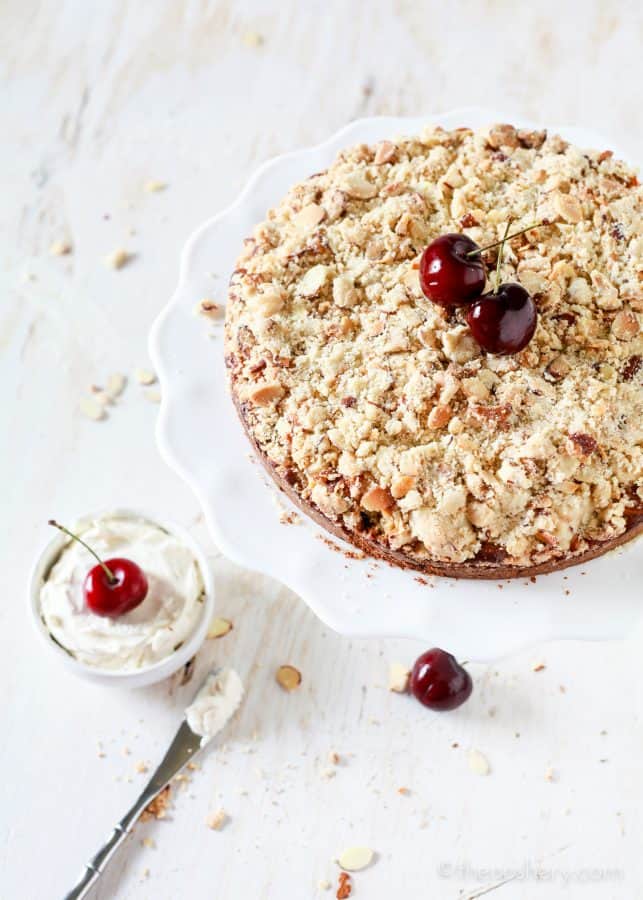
453,274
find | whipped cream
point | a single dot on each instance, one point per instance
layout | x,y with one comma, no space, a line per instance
215,703
156,628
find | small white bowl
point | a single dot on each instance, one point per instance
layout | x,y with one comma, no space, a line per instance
147,674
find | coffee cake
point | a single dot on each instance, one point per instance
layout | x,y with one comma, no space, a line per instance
376,410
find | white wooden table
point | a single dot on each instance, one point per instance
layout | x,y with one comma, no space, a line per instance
97,99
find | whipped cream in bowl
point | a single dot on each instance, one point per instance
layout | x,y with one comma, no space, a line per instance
151,641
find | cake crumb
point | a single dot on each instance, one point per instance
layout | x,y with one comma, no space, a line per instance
217,819
252,39
158,807
60,248
210,309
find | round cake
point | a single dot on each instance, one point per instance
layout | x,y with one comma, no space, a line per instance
378,412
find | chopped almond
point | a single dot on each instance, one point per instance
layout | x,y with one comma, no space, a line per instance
439,416
266,394
377,499
402,485
398,678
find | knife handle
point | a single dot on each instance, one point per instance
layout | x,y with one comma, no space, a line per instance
94,868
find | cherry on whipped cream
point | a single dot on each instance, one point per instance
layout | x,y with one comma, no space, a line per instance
439,681
112,587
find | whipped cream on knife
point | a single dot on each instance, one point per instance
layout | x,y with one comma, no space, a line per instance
217,700
156,628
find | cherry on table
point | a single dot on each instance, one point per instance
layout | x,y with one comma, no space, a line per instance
503,322
112,587
439,681
452,272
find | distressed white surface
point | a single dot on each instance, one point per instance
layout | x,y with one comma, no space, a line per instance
96,99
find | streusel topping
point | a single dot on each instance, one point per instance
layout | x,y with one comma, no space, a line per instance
380,409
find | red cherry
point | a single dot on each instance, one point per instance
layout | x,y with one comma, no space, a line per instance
439,681
503,322
117,596
448,276
111,588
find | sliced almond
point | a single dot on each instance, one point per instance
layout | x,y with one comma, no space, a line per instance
153,396
309,217
385,153
625,325
92,408
606,294
266,394
398,678
219,628
344,294
313,281
115,385
478,763
568,207
145,376
356,185
252,39
353,859
118,258
270,302
288,677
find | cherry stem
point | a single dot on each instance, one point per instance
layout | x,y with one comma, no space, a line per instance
507,237
500,254
112,578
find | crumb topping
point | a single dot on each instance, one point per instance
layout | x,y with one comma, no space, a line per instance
380,410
